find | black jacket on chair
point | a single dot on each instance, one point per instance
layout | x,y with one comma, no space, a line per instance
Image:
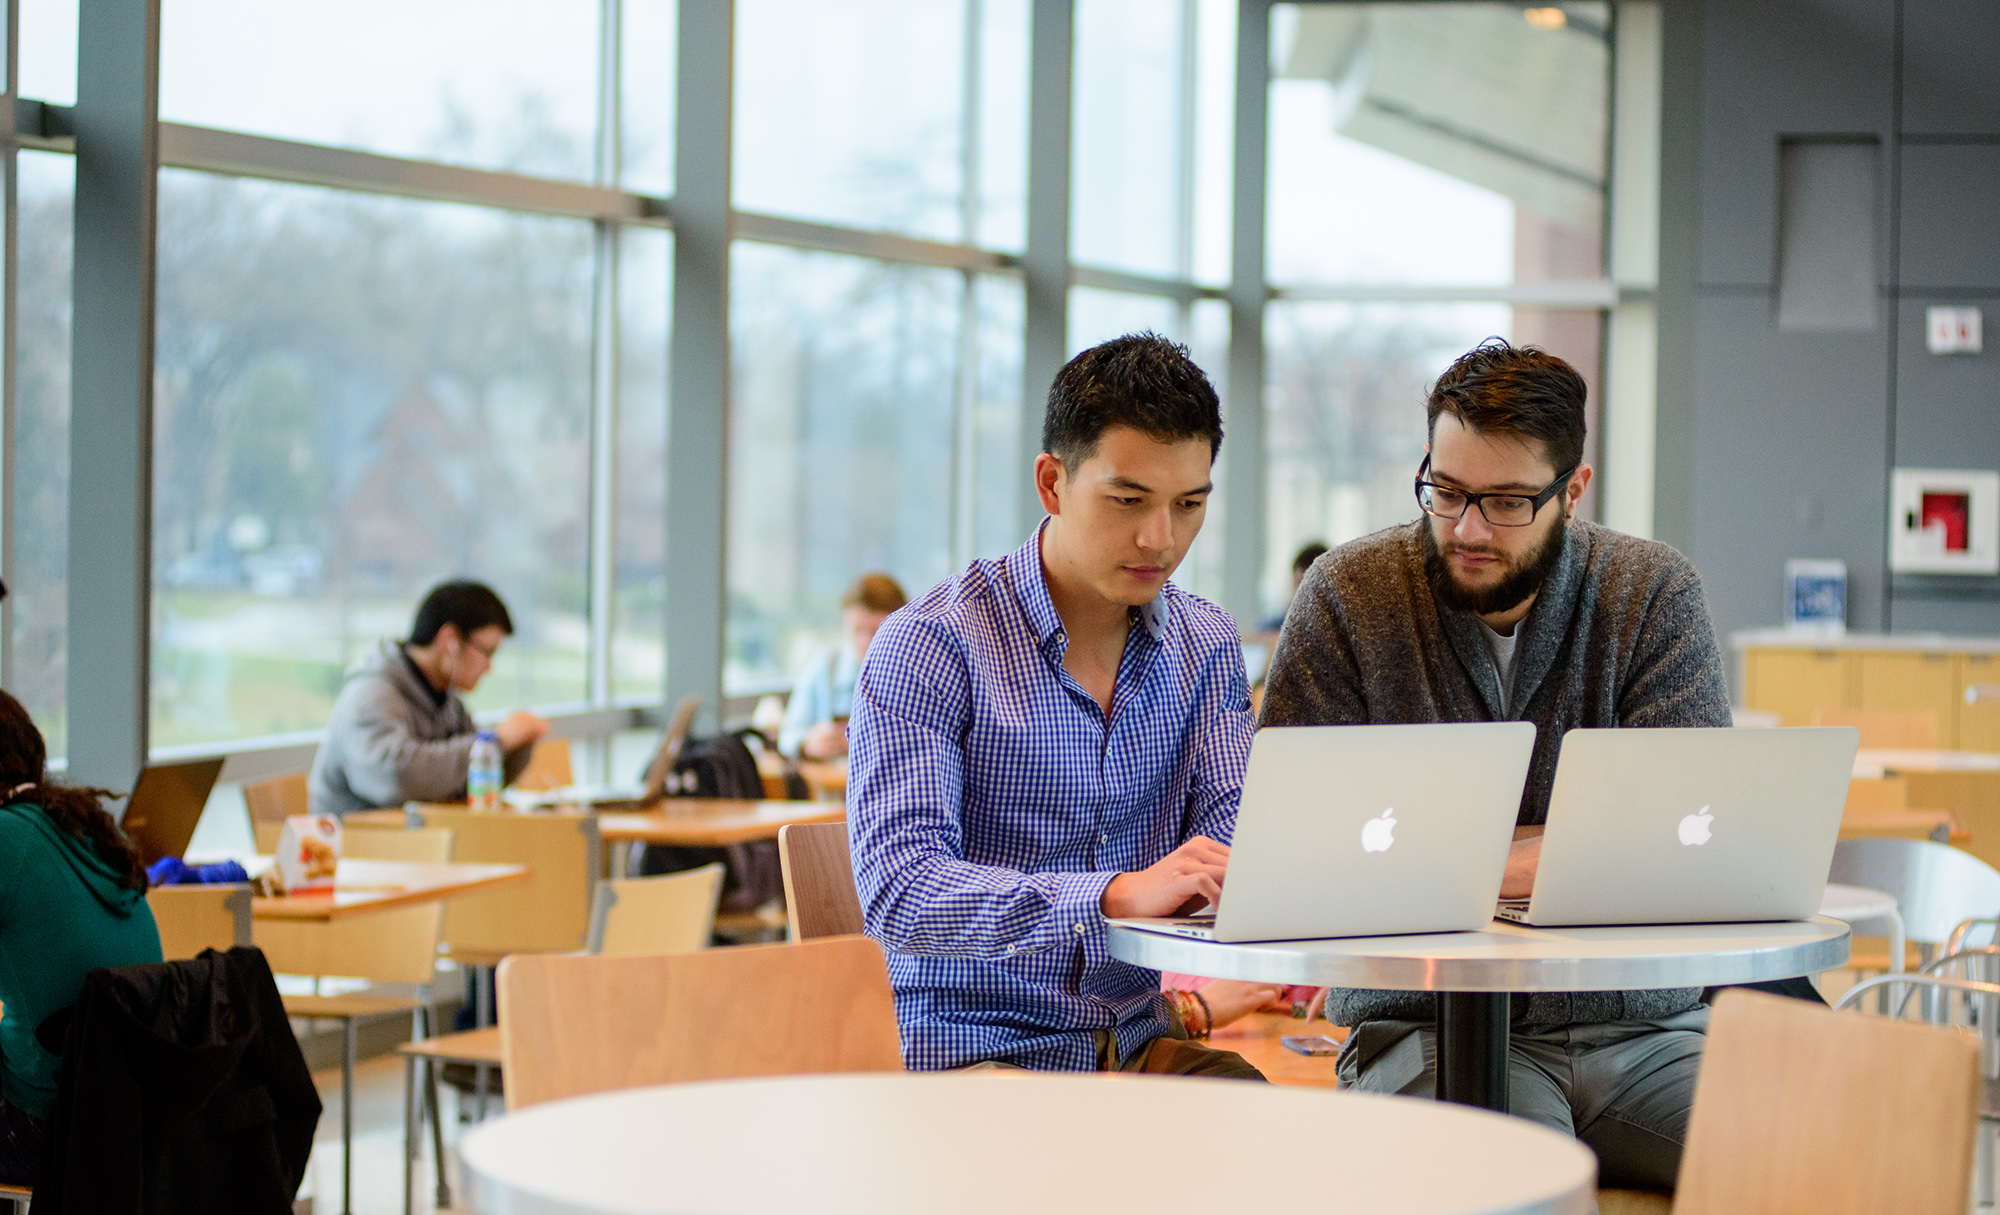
181,1089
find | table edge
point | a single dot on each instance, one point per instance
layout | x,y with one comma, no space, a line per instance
1289,964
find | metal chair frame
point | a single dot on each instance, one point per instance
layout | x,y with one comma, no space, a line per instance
1980,1001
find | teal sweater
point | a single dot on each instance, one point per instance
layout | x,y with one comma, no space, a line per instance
62,915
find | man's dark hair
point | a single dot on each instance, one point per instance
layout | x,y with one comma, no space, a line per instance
1525,391
467,606
1141,380
1302,561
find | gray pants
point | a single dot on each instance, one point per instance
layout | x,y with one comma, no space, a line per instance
1622,1087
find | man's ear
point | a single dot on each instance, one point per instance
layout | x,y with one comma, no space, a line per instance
1578,482
1049,477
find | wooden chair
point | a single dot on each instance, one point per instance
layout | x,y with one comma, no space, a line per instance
194,918
1800,1109
548,767
820,899
574,1025
273,801
550,913
398,946
671,913
1879,730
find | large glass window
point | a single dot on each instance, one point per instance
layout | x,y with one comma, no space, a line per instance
359,395
647,40
639,654
48,50
498,84
39,499
841,443
357,398
853,113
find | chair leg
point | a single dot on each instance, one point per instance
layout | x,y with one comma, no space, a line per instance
347,1116
409,1129
437,1133
482,986
430,1096
1983,1152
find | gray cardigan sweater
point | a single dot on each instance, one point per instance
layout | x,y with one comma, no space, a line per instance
1619,636
390,741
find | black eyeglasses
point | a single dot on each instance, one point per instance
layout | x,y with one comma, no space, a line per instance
1501,510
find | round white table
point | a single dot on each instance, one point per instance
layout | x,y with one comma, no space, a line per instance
1012,1142
1474,972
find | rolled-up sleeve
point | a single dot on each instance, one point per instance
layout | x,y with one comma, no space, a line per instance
905,796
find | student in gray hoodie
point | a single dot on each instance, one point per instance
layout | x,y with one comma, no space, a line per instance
399,731
1497,605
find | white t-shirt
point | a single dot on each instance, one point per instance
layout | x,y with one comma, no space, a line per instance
1503,657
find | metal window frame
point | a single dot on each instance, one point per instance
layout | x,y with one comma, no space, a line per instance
707,227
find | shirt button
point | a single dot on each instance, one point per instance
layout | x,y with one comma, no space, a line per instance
1103,839
1080,929
1013,949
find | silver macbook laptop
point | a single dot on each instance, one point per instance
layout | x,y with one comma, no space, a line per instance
1367,830
617,797
1690,826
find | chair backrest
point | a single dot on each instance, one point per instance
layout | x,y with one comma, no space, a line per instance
578,1024
820,898
398,946
425,845
548,767
194,918
550,913
672,913
1936,886
273,801
1878,793
1915,731
1801,1109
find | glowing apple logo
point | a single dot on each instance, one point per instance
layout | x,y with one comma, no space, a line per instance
1694,828
1377,834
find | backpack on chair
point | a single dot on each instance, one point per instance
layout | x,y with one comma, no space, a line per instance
721,766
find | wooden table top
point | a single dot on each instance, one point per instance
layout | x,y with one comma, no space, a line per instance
686,822
1878,761
701,822
395,820
362,886
1861,824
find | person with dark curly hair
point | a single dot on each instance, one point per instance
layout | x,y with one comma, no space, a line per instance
72,899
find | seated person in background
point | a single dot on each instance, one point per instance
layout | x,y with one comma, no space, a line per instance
1054,738
1301,562
1497,605
816,716
399,731
72,899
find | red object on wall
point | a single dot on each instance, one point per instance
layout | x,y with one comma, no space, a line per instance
1954,512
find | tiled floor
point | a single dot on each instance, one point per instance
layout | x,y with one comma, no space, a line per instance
378,1143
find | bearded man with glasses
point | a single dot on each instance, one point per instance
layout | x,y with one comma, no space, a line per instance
1498,604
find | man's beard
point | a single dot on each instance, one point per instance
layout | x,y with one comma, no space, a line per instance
1524,575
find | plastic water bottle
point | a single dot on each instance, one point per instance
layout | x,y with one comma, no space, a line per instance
483,777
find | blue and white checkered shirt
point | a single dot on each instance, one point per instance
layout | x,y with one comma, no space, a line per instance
990,802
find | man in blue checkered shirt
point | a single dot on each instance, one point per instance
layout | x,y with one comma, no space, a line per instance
1054,738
